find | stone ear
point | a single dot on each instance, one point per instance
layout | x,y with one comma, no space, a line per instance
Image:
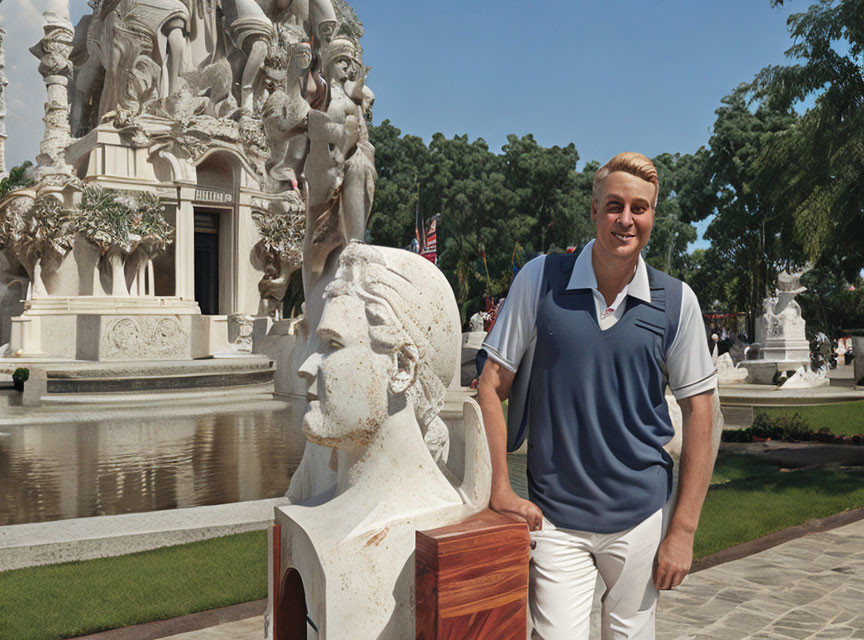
404,370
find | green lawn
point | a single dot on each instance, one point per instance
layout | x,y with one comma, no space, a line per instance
843,418
66,600
738,466
743,510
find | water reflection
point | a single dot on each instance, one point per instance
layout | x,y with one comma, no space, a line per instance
77,469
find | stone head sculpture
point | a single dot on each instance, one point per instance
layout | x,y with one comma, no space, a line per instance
340,60
385,351
387,343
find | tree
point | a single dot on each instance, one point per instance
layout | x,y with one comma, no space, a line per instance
814,169
667,249
748,230
18,177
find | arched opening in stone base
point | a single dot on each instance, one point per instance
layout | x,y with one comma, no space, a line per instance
291,609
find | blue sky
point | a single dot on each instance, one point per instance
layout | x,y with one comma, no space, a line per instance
608,76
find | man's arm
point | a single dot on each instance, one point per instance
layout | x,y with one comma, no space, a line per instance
675,554
493,388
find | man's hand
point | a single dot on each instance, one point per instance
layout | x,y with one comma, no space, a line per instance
674,558
506,502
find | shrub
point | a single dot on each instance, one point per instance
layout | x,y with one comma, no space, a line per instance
21,374
792,428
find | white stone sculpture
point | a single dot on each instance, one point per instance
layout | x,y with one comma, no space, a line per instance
806,378
388,340
781,331
477,322
728,373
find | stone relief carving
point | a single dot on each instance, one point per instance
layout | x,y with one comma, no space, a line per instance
145,337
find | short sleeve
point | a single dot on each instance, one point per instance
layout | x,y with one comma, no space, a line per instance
691,369
515,326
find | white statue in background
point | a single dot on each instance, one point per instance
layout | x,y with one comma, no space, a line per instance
388,340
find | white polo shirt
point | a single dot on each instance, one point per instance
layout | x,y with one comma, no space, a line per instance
688,363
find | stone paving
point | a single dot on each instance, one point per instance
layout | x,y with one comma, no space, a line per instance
811,587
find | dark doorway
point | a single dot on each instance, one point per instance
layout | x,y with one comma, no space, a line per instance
207,262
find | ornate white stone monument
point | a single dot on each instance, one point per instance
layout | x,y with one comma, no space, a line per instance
173,176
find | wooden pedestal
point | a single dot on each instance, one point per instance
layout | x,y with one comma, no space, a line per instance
472,580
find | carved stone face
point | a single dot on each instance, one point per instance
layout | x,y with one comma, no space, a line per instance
341,69
347,379
303,55
326,30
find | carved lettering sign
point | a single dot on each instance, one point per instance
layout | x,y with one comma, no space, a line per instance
212,195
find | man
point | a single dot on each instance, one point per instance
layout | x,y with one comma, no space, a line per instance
610,332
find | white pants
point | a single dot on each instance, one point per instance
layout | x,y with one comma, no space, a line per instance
564,566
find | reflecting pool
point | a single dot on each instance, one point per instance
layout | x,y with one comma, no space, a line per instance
75,469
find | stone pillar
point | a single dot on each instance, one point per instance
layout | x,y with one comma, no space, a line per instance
3,83
56,69
184,243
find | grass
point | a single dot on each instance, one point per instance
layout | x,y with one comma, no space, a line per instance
742,510
750,497
737,466
843,418
67,600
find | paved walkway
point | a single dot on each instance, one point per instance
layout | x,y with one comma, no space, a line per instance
811,587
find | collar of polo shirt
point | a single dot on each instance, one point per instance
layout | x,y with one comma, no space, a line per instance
582,276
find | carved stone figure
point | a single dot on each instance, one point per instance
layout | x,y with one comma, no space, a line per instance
340,167
285,115
388,342
131,42
251,31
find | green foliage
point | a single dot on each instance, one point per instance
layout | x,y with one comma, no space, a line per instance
68,600
21,374
787,427
814,169
667,249
749,233
18,178
842,418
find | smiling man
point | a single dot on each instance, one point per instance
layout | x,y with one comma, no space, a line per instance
609,333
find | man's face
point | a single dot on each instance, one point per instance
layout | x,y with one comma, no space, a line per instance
624,215
347,381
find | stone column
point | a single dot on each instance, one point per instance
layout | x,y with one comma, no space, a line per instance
3,83
56,69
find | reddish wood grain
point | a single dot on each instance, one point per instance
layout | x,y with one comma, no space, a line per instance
472,580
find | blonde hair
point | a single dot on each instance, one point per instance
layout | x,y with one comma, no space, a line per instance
629,162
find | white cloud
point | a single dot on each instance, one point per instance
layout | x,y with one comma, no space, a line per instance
25,95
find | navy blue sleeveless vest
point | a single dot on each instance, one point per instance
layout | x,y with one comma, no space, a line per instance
596,404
